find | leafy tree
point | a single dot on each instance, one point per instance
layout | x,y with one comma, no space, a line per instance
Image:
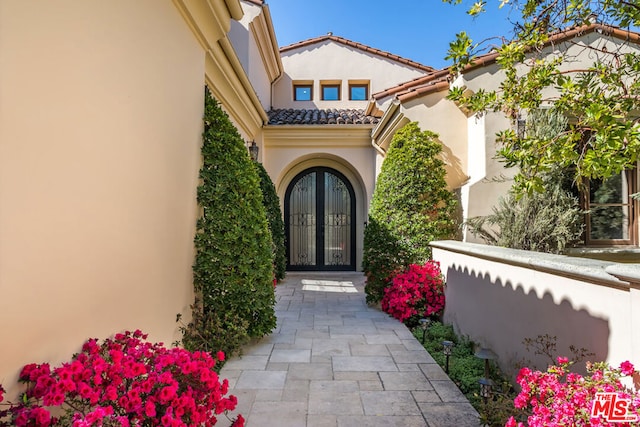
601,96
271,203
411,207
543,222
233,269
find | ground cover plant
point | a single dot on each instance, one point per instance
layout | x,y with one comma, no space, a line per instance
234,266
123,381
411,206
550,396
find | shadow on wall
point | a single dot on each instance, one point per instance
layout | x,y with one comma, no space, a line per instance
500,316
456,176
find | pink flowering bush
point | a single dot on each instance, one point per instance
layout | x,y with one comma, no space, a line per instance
125,381
560,397
416,292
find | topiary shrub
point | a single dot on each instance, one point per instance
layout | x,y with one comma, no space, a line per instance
233,269
411,207
271,203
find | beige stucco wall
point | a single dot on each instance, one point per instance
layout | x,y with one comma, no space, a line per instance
437,114
330,60
100,133
246,47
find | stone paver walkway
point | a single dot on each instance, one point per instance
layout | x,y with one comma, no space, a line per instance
334,361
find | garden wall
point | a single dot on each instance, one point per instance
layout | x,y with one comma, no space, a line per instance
498,297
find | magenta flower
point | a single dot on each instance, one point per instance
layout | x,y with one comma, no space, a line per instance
124,381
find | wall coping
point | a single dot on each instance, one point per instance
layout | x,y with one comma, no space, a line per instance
584,269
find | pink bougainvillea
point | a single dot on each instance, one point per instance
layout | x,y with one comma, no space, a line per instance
559,397
418,291
125,381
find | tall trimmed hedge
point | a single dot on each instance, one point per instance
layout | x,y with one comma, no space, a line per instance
271,203
411,207
233,269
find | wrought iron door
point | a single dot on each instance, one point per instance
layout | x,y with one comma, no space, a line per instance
319,213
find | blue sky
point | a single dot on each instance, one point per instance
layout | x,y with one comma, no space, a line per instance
419,30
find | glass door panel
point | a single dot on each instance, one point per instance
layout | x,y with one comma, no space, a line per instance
337,221
302,222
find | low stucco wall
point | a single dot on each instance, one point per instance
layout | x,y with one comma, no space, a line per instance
498,297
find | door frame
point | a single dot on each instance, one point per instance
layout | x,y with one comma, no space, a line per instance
319,205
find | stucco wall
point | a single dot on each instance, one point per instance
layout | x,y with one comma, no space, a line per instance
499,297
435,113
334,61
246,48
100,133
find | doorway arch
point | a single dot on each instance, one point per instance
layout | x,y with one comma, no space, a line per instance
320,221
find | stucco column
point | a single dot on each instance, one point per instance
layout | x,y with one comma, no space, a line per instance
631,273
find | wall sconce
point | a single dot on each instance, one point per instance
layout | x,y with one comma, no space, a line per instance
447,346
424,325
253,151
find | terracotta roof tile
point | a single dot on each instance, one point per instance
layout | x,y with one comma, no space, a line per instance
425,89
360,46
562,36
320,117
439,80
420,81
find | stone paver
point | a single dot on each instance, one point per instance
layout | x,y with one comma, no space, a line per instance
333,361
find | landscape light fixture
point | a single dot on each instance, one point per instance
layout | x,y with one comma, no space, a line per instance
486,384
447,346
253,151
424,324
486,388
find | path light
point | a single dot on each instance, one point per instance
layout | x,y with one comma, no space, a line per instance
447,346
486,385
253,151
486,355
424,324
486,388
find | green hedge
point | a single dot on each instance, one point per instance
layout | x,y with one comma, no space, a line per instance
411,207
233,269
271,203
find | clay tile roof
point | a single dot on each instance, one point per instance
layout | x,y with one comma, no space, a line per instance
360,46
320,117
439,80
564,35
256,2
429,79
436,85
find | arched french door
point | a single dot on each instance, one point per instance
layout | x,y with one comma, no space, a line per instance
320,212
